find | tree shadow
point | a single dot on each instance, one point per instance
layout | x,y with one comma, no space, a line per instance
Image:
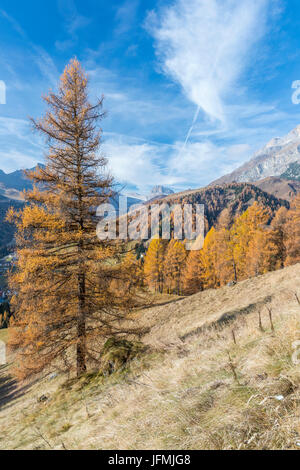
9,387
167,302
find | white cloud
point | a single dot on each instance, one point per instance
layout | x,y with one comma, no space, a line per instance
204,46
143,164
19,129
202,162
73,22
41,58
126,16
20,148
13,159
138,163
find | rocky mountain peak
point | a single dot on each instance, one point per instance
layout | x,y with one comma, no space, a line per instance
276,158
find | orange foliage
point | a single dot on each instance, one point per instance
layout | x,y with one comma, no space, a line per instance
292,233
173,267
66,302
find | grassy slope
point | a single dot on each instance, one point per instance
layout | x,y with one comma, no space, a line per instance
3,335
183,394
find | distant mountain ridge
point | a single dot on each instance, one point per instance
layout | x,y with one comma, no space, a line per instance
6,230
280,157
160,191
16,180
292,172
11,187
236,197
156,192
280,187
13,184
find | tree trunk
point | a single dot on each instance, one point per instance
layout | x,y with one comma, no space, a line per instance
234,270
81,327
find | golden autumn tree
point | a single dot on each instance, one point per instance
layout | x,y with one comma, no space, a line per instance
173,266
209,261
134,267
154,264
292,233
65,298
245,227
225,262
278,237
266,248
250,247
270,241
262,253
226,265
193,273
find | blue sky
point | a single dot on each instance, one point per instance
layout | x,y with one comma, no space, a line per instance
192,89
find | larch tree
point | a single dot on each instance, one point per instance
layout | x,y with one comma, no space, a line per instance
173,266
209,261
226,265
278,236
254,219
292,233
65,300
271,244
259,253
225,256
193,273
154,264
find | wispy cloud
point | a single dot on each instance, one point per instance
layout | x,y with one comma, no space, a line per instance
39,56
210,48
204,46
13,23
205,161
20,148
13,159
141,164
137,108
73,23
136,162
126,16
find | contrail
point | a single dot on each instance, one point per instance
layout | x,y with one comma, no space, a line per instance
190,130
192,126
213,69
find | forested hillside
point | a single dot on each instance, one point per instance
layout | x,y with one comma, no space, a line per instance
6,230
280,187
253,243
234,197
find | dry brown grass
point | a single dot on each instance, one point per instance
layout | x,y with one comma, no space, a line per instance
195,389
